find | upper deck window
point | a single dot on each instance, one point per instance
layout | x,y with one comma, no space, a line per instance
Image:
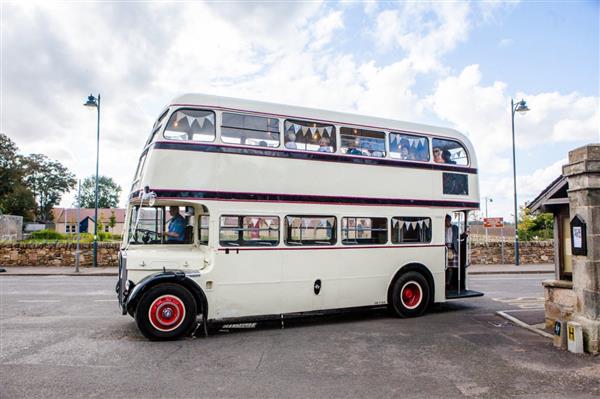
368,143
409,147
309,136
250,130
191,124
449,152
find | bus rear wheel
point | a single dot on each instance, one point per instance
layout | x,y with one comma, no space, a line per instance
166,312
410,295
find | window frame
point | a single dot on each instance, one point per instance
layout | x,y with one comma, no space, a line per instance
240,229
191,109
428,140
358,129
221,126
462,145
316,243
346,241
200,228
332,135
392,235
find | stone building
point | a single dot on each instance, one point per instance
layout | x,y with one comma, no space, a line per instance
574,200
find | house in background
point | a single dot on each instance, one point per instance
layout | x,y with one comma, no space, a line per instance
65,220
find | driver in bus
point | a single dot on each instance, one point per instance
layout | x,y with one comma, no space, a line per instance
176,230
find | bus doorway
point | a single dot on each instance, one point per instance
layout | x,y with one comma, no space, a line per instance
457,256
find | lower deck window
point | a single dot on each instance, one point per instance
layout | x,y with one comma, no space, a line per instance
360,230
406,229
310,230
203,229
237,231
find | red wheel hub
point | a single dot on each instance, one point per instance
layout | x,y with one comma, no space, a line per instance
411,295
166,313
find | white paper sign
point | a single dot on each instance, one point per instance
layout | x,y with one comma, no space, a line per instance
577,237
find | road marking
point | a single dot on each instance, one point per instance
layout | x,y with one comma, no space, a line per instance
507,278
524,302
38,301
521,323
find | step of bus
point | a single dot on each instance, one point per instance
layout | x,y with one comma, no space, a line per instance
454,294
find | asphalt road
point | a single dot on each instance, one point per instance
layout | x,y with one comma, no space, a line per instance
64,337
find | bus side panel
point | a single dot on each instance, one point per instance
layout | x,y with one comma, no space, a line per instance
247,283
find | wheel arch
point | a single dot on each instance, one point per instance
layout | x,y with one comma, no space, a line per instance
176,277
409,267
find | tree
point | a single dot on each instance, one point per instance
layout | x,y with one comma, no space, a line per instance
108,192
535,227
15,197
112,222
48,180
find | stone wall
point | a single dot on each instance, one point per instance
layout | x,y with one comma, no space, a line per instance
498,253
56,254
63,254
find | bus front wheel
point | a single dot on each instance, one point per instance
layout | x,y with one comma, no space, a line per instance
166,312
410,295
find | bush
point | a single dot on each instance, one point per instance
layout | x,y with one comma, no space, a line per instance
47,234
102,236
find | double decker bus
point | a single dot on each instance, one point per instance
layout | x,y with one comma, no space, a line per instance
246,211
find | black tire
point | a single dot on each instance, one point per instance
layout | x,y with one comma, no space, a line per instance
166,312
411,295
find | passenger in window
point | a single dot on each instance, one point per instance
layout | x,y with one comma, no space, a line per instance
437,155
263,143
404,154
176,230
375,152
447,157
290,141
355,149
324,145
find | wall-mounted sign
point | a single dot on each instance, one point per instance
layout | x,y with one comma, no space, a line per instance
578,236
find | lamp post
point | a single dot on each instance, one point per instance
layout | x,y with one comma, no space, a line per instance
487,199
94,102
520,107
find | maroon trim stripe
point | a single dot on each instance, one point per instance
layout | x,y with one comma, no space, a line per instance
397,246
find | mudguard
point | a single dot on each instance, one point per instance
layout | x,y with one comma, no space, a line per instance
177,277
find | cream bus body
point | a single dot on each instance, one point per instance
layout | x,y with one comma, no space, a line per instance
213,180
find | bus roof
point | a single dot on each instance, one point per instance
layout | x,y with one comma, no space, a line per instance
283,110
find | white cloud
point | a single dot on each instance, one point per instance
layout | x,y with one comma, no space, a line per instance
506,42
500,189
323,29
424,30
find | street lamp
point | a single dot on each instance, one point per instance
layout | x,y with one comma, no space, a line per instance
487,199
92,102
520,107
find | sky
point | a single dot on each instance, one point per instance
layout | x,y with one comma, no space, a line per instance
447,63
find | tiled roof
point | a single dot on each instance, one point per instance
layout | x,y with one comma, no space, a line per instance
104,214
